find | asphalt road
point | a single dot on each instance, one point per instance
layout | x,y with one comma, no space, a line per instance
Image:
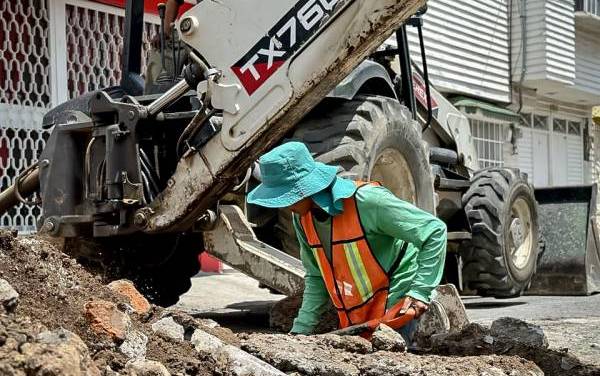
533,307
573,322
233,291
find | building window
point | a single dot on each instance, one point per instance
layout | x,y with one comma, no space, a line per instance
575,128
489,142
559,125
540,122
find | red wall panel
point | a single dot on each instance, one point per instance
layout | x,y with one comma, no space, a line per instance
150,6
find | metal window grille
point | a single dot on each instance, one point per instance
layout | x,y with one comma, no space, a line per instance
540,122
489,142
94,42
575,128
24,96
94,45
525,120
559,125
24,78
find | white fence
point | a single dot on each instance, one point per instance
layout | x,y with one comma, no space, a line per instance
50,51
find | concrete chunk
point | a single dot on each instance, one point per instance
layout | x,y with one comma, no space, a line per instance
387,339
127,290
9,297
142,367
520,332
169,327
134,346
106,319
239,362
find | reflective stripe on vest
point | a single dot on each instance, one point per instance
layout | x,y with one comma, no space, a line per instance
356,282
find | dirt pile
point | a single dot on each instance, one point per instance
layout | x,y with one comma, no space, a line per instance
65,321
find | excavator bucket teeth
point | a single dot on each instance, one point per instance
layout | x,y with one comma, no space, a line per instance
570,262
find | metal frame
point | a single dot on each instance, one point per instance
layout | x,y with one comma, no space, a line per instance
132,48
406,94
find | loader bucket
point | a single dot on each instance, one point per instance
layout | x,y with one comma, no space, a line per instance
570,263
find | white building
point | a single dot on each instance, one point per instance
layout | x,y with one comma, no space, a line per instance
527,74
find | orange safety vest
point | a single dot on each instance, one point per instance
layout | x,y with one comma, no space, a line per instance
357,284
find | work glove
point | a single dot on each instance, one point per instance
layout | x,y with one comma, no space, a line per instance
419,306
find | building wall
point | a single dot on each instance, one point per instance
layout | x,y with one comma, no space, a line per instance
587,60
550,155
467,47
549,40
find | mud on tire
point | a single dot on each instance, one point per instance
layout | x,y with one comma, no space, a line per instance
500,259
161,266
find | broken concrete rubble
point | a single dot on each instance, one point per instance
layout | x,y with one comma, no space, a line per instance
127,290
310,355
140,367
134,346
106,319
169,328
9,297
236,361
54,289
449,298
529,343
519,331
352,344
51,353
387,339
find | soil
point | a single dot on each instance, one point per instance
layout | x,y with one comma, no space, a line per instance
53,290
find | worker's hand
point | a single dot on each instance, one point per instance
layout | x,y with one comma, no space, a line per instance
419,307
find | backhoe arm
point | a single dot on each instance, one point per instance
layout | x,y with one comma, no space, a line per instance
272,68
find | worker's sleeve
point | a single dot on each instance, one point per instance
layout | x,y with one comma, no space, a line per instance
423,231
316,299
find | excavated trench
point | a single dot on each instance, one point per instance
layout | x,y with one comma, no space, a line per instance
56,318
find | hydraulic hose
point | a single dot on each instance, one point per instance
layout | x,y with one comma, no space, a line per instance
22,188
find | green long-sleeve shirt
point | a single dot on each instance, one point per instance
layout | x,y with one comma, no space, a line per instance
388,222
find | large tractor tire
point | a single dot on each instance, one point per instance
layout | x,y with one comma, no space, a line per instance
160,266
500,260
371,138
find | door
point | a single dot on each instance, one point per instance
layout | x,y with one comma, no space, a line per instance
558,160
540,159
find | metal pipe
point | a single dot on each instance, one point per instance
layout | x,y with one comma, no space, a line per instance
408,95
28,185
524,52
161,13
168,98
175,62
425,77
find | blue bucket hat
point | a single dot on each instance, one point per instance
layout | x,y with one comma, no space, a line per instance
289,174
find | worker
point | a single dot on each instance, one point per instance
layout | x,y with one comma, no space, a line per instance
154,65
362,247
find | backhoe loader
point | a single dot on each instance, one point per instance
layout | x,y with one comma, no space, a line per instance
139,185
